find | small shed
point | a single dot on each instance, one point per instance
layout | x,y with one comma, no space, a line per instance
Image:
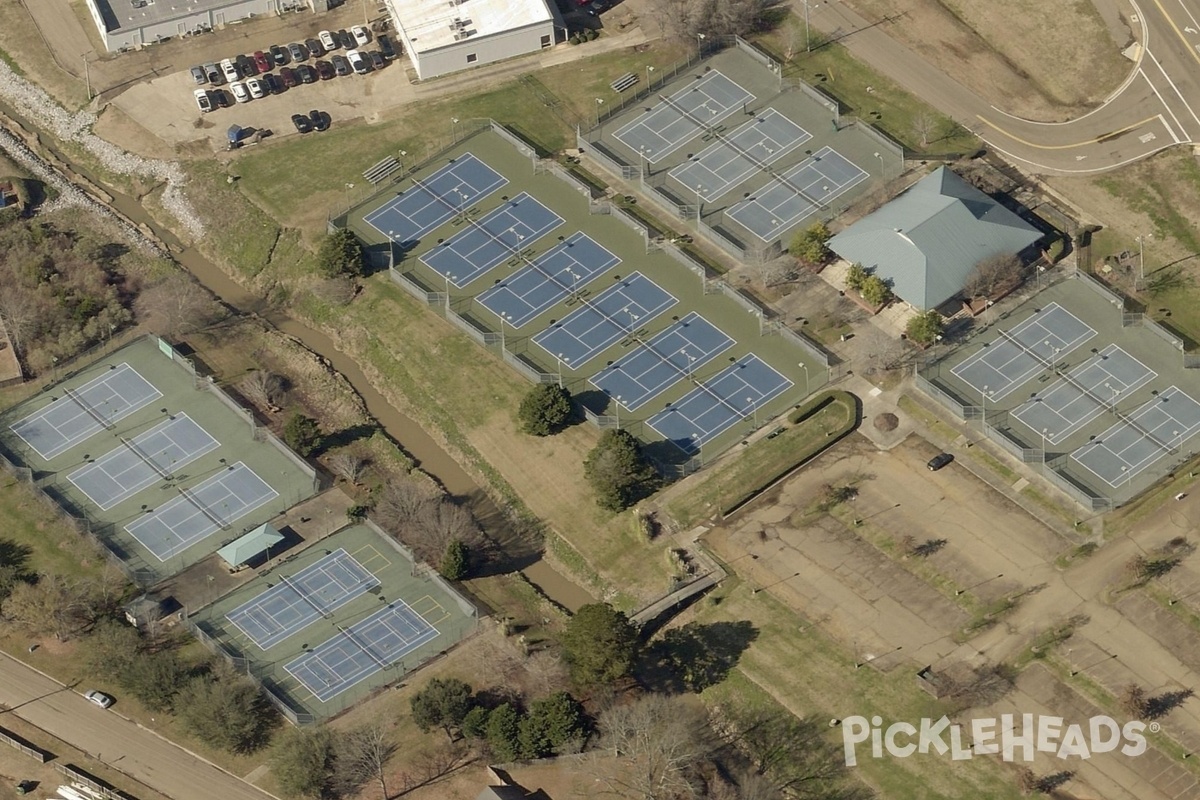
249,546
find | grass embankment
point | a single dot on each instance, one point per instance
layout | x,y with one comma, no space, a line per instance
810,430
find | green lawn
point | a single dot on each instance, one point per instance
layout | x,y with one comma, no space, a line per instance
832,69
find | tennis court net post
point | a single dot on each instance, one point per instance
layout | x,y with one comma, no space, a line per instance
303,595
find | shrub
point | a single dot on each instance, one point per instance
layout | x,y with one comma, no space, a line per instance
856,276
618,471
925,327
302,434
875,291
545,410
456,562
340,254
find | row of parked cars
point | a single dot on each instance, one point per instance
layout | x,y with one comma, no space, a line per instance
250,77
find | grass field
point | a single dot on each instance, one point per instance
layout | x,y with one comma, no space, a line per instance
889,108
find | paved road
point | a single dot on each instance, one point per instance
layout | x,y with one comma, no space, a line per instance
115,740
1154,108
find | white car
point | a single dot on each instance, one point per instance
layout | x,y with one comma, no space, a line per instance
258,89
99,698
327,41
203,101
361,34
358,62
240,92
230,69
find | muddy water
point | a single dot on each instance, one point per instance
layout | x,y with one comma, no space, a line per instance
410,436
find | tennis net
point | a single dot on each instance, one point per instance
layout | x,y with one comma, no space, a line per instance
346,632
133,448
303,595
78,400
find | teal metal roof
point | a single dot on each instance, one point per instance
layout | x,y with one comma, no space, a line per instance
927,241
249,545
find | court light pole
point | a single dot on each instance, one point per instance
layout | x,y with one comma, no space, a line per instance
1044,445
807,39
649,72
699,188
699,448
391,250
599,102
454,129
559,363
984,395
700,37
448,278
753,412
503,345
804,367
617,408
645,154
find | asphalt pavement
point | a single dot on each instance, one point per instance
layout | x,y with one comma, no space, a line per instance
113,739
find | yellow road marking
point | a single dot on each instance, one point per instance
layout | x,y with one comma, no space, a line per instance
1096,140
1178,32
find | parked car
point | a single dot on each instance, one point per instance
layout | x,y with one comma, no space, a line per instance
346,39
324,70
377,61
297,51
245,65
240,92
257,88
199,76
229,70
203,101
385,46
597,7
357,62
288,76
99,698
340,65
263,61
306,73
214,73
939,461
327,41
301,122
279,55
361,34
221,98
274,85
314,48
319,120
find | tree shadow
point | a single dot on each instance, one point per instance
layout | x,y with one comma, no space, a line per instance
15,556
1158,707
347,436
929,547
696,656
1050,783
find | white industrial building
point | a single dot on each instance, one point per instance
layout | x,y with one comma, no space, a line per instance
443,36
127,24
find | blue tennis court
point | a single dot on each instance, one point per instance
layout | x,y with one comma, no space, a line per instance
716,405
430,202
294,603
1154,431
153,456
734,158
552,277
614,314
667,126
358,652
200,512
675,353
1025,350
1084,393
788,198
501,234
82,412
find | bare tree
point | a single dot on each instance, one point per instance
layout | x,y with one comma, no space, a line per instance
923,125
348,465
400,501
263,388
1133,700
439,524
51,605
1027,782
686,19
361,755
993,275
177,305
20,317
659,741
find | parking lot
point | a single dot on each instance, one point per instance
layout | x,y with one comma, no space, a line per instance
166,106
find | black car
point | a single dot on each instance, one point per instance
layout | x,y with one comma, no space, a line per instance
288,76
314,48
246,66
301,122
340,65
307,74
324,70
274,84
297,51
939,461
385,46
319,120
346,38
220,98
377,61
279,55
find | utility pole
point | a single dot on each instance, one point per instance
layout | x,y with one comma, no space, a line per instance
87,76
807,39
